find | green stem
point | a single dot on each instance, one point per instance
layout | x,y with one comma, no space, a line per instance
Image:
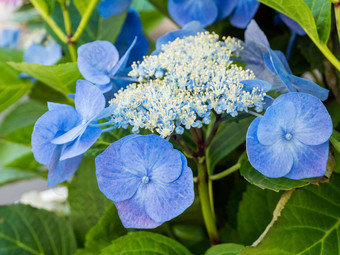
203,190
337,16
225,173
328,54
50,21
71,45
84,21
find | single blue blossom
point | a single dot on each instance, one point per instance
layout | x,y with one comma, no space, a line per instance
292,24
100,64
291,139
244,11
9,38
272,66
63,134
108,8
204,11
147,179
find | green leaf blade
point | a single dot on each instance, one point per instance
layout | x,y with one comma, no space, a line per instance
225,249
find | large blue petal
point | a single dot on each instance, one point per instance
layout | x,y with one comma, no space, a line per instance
89,100
9,38
108,8
185,11
279,119
245,10
166,201
120,66
106,112
191,28
292,24
225,7
254,34
132,28
96,59
55,106
132,212
44,55
70,135
47,127
114,179
271,160
309,161
249,85
313,124
82,143
60,171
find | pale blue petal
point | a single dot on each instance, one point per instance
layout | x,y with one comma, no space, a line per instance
271,160
106,112
82,143
53,53
185,11
108,8
166,201
47,127
254,34
313,124
249,85
292,24
55,106
309,161
60,171
96,59
89,100
225,7
9,38
279,119
70,135
44,55
132,212
243,13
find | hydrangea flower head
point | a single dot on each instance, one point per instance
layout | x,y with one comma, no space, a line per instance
63,134
272,66
291,139
184,83
99,62
147,179
9,38
108,8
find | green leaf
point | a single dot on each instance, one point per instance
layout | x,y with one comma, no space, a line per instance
44,6
309,223
335,140
228,137
82,5
26,230
11,151
87,203
225,249
104,232
11,87
109,28
255,212
60,77
22,115
145,243
276,184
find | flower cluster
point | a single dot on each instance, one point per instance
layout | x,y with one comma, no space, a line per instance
184,83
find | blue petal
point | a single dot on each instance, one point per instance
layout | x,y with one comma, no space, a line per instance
114,180
108,8
185,11
309,161
9,38
60,171
313,124
225,7
82,143
249,85
153,157
47,127
89,100
106,112
191,28
55,106
273,161
254,34
245,10
122,62
44,55
96,59
292,24
132,28
132,212
166,201
70,135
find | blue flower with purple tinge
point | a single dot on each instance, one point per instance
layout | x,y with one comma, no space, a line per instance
63,134
240,12
272,66
108,8
291,139
100,64
148,180
9,38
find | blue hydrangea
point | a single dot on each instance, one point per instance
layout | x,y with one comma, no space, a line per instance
9,38
272,66
244,11
63,134
147,179
99,63
108,8
291,139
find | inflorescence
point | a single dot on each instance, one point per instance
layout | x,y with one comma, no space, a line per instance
181,86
